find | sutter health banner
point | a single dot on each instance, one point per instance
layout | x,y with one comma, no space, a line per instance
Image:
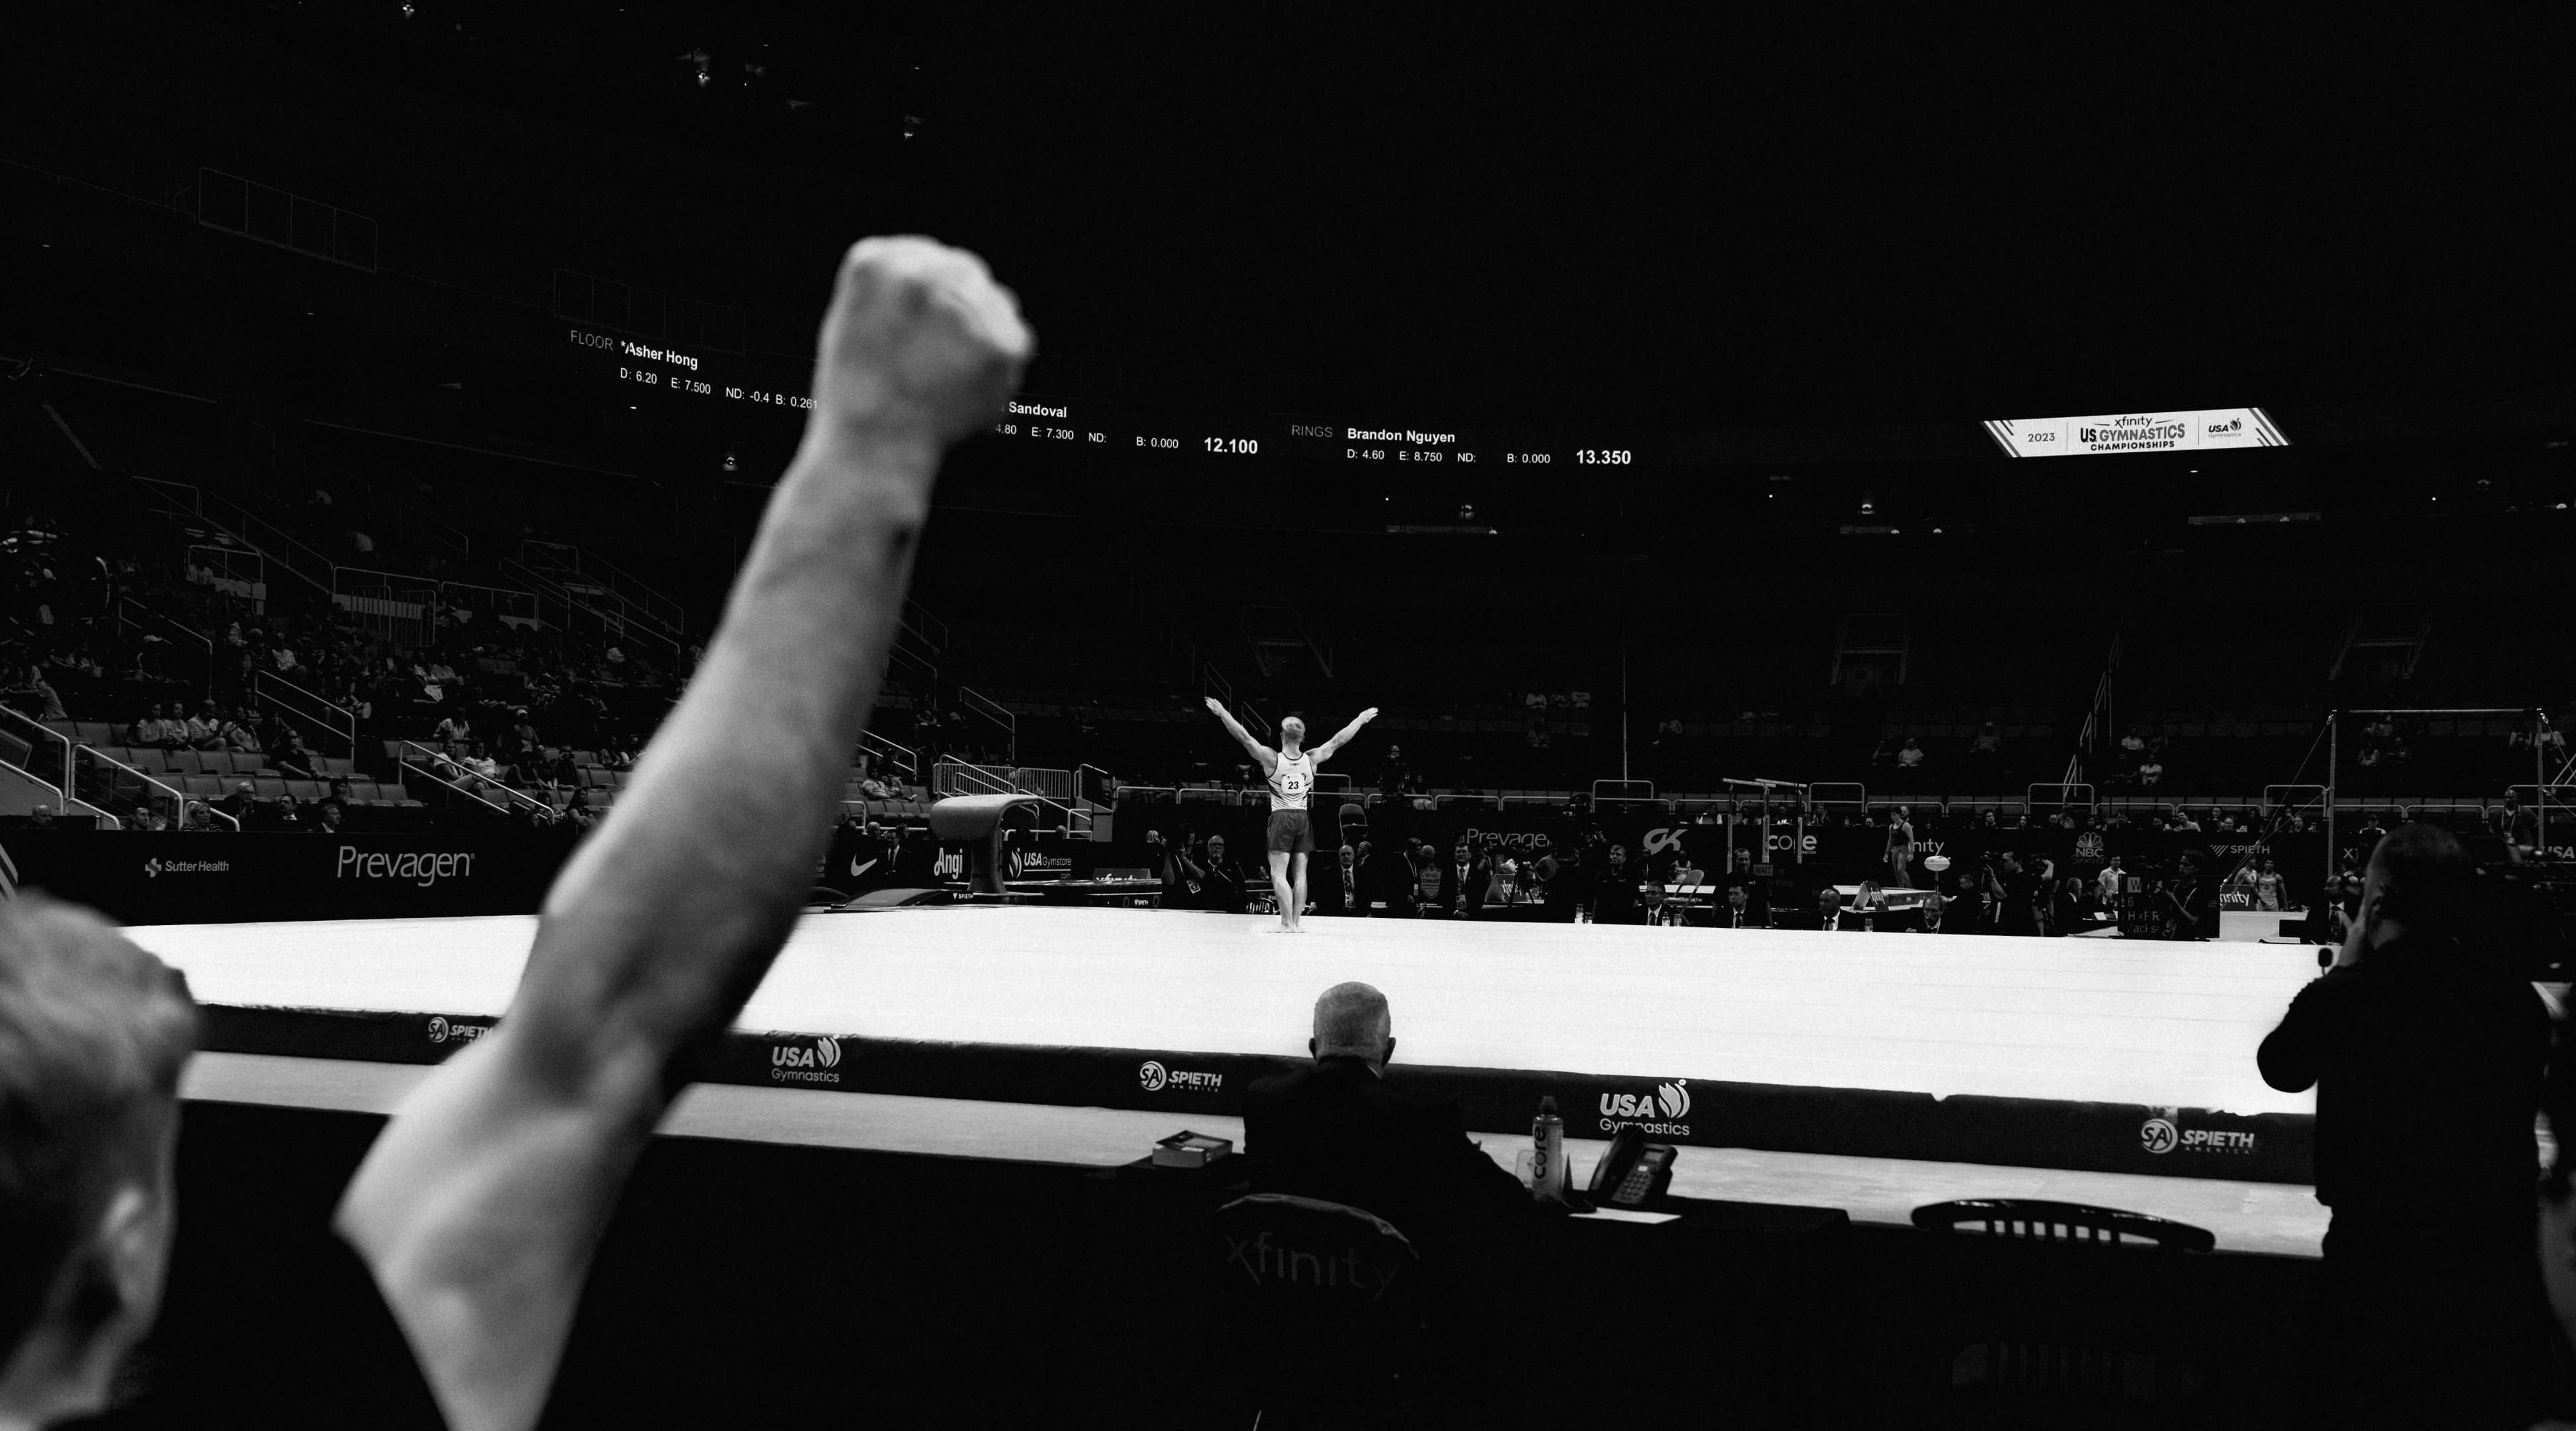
225,878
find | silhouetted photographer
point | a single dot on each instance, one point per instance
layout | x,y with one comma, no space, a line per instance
2426,1044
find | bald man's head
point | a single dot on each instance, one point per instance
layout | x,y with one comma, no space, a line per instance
1351,1019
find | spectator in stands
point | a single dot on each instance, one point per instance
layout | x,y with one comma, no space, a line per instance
2108,881
2427,1052
241,804
480,762
1340,1133
1825,915
1989,743
2151,772
1614,892
205,729
2190,901
453,730
156,730
46,701
1395,775
288,754
241,733
327,817
1909,756
1504,886
41,817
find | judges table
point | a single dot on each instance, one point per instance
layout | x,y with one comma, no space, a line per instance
786,1254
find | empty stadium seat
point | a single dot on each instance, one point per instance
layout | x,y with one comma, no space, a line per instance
268,787
306,789
201,786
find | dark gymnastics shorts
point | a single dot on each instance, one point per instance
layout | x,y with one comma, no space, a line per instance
1291,832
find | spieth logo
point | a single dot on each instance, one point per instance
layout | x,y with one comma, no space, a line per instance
1155,1078
2165,1135
1658,1112
794,1063
442,1031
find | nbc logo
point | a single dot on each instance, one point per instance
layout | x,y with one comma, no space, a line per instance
795,1063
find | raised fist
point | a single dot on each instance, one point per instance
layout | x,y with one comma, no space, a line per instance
1215,705
1368,715
919,343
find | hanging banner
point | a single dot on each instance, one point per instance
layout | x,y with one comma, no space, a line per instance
2202,430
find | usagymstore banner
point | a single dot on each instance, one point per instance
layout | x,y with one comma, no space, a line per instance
2201,430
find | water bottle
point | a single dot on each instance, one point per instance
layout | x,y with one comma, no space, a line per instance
1548,1181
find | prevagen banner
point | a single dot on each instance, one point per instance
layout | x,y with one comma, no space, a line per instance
2209,429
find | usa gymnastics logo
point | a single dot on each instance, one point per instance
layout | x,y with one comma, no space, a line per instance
1658,1112
794,1063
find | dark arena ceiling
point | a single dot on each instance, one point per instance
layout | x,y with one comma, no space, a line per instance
1496,219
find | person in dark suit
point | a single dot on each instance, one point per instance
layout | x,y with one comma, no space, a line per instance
2427,1050
1337,888
1337,1132
1463,882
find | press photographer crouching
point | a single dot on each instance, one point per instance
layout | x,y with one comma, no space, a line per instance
2426,1043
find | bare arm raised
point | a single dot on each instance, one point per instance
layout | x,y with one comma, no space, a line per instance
1344,736
1269,758
481,1205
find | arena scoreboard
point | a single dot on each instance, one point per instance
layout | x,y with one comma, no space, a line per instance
761,389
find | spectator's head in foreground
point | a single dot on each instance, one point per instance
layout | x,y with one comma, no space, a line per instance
1351,1022
93,1035
2421,882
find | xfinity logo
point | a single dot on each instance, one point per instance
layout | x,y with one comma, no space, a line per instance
441,1030
1154,1078
1262,1261
794,1063
1658,1112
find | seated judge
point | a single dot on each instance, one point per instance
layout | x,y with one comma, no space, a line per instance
1336,889
1337,1132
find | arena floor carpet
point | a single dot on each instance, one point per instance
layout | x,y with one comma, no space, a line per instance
2098,1055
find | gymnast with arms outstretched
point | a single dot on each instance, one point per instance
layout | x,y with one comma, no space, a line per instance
1291,771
